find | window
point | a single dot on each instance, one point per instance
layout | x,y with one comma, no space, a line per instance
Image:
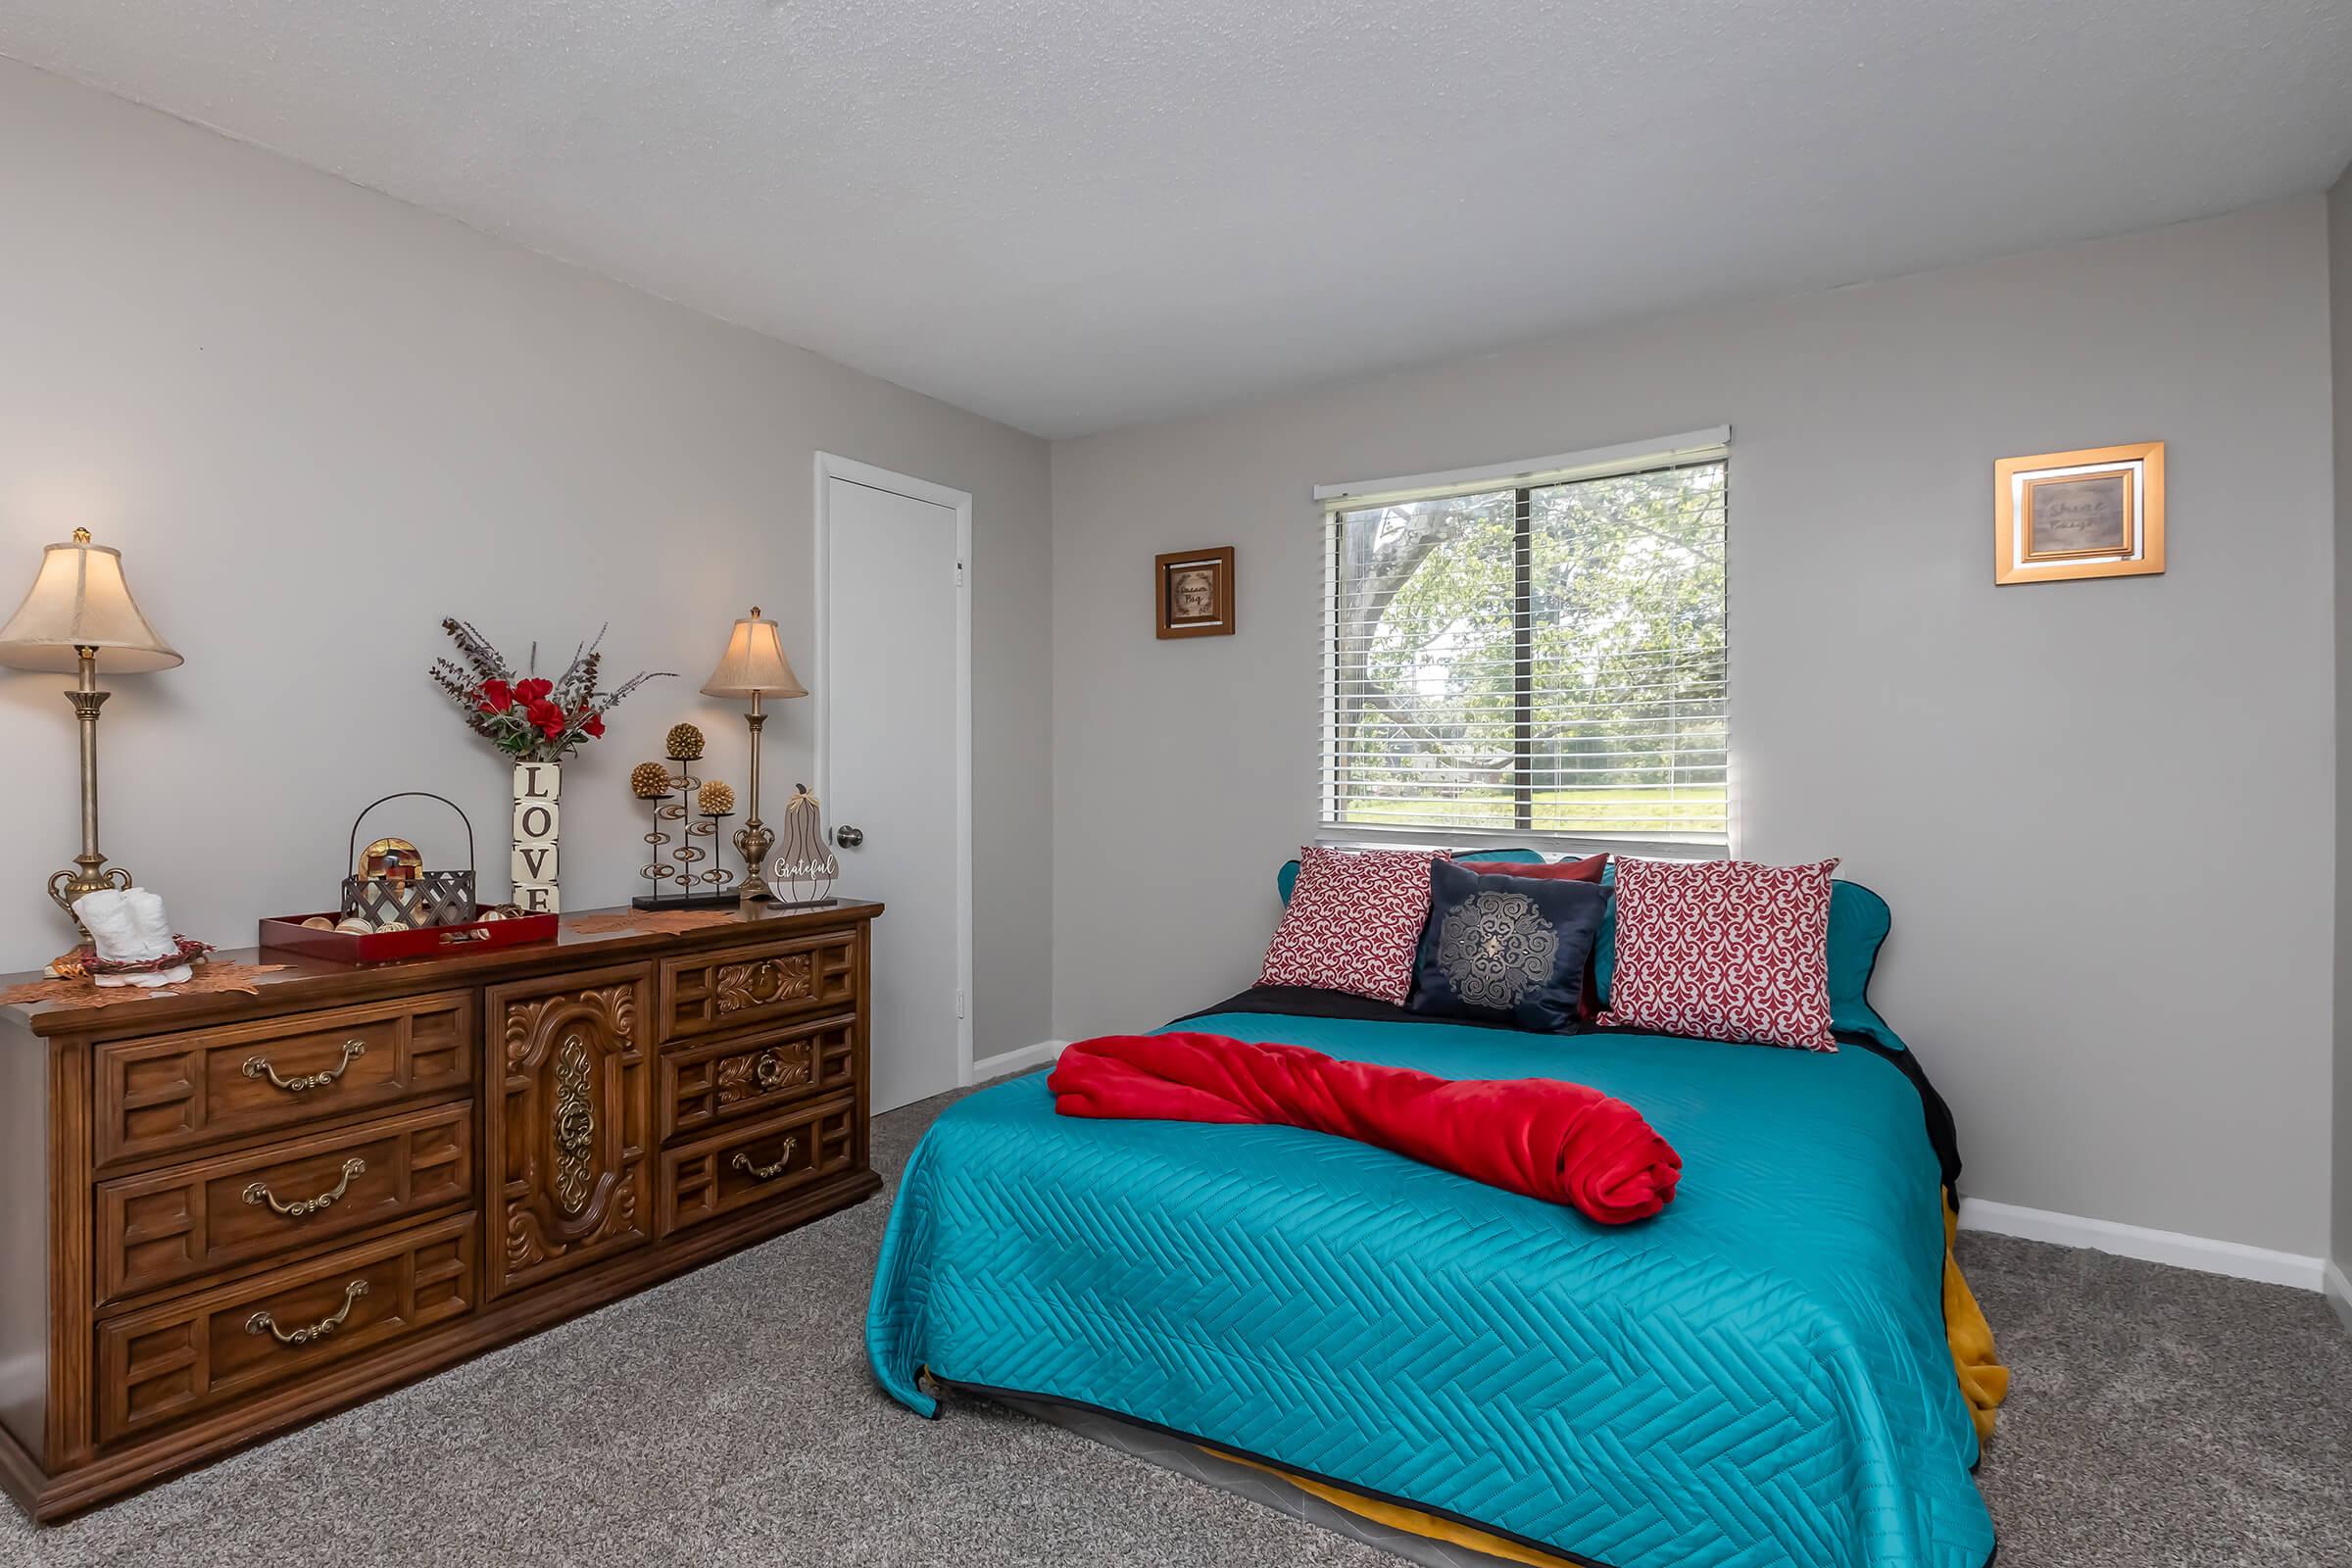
1537,655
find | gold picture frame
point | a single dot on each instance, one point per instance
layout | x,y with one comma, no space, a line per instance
1193,592
2059,517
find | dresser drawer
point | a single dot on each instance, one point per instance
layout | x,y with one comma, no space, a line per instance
703,1083
753,1164
181,1090
172,1224
711,992
225,1347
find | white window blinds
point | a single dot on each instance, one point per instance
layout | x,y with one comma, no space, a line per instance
1535,651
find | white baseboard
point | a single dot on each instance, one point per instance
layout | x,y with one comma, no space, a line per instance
1042,1055
2339,1290
2199,1253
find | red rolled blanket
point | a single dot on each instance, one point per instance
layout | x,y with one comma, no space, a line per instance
1556,1140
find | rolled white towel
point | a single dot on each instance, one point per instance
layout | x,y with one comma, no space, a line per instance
147,977
121,927
114,930
155,931
154,926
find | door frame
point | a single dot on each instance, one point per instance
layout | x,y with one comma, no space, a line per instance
828,468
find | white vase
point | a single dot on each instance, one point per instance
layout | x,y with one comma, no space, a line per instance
538,814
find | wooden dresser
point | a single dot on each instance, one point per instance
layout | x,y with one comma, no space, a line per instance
229,1214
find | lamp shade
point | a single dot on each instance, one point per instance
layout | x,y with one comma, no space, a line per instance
81,601
754,664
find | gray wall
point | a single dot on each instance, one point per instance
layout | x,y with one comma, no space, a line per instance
2103,811
316,421
2339,272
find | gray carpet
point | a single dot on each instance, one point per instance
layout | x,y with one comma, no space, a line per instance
728,1418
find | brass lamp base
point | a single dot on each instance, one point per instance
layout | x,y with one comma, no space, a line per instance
752,842
67,886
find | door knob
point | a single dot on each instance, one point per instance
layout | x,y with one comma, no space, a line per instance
848,837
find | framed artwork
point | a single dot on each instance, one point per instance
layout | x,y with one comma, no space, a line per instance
2097,512
1194,592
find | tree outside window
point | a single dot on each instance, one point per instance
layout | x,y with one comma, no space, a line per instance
1549,658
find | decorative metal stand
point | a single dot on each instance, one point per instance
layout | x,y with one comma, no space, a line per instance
659,870
716,883
679,864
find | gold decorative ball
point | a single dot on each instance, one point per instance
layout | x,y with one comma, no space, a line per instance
648,781
685,744
717,799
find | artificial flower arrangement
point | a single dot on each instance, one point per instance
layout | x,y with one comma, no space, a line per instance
531,718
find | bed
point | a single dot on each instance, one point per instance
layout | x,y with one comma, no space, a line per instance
1758,1376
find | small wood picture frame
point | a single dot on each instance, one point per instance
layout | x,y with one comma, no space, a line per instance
2097,512
1193,590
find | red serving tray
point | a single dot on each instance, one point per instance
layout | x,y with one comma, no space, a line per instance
380,947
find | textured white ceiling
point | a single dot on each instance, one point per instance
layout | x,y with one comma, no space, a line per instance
1071,213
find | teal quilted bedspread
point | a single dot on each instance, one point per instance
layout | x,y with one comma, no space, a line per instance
1756,1376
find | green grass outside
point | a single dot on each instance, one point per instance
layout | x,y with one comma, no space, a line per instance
1692,807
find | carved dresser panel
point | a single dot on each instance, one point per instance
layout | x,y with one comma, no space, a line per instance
567,1124
231,1213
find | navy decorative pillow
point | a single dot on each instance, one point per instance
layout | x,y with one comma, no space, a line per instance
1505,949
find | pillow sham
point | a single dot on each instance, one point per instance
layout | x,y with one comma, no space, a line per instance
1506,948
1858,926
1723,950
1859,921
1287,878
1354,922
1590,870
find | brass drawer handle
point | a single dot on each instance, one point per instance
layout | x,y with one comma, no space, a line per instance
258,1067
264,1323
258,1193
760,1173
768,1071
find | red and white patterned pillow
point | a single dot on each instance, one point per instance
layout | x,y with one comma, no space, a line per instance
1724,950
1354,924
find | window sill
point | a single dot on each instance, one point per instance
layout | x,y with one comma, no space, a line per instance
1366,835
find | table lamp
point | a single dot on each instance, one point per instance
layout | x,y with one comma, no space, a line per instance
80,618
754,667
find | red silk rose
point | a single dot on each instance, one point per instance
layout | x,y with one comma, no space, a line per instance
527,717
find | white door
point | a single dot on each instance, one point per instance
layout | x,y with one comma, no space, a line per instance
894,748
